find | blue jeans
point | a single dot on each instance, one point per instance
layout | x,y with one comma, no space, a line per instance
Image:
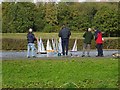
30,49
100,49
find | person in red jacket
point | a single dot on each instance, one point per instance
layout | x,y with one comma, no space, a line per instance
99,43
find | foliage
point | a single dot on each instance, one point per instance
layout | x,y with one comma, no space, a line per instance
48,17
39,20
17,17
60,73
106,19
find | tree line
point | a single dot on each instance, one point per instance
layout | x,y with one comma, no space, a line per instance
49,17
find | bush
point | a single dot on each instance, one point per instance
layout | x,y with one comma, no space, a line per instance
49,28
21,44
14,44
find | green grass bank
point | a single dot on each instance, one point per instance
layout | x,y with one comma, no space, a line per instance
64,73
38,34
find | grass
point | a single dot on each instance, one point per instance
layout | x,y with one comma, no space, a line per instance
60,73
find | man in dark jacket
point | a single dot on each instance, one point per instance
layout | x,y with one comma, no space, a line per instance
31,46
88,36
64,34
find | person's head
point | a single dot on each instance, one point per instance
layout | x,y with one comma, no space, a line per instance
30,30
94,29
89,29
63,26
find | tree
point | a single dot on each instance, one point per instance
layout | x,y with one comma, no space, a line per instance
51,16
106,19
39,20
17,17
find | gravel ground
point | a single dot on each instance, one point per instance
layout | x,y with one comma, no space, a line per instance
10,55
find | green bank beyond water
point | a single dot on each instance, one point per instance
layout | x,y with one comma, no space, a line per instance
38,34
60,73
44,35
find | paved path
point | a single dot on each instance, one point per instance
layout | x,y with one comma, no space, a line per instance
22,55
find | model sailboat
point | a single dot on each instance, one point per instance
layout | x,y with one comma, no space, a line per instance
74,49
48,47
54,44
60,46
41,48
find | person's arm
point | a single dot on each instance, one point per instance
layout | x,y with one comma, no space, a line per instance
92,36
69,33
35,39
27,36
35,36
84,34
96,35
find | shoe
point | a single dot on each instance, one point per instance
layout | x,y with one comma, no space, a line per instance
101,56
28,57
88,55
83,55
37,53
97,56
59,54
71,54
34,56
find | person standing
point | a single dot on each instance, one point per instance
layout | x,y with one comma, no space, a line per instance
31,46
99,42
88,36
65,35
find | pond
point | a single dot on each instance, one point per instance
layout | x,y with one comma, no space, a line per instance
23,54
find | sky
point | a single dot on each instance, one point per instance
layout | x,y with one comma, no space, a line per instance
0,0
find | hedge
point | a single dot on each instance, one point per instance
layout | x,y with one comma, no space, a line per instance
21,44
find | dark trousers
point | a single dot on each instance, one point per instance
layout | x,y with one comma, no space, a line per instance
100,49
65,43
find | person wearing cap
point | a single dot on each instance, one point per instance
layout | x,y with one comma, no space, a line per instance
65,35
99,42
88,36
31,46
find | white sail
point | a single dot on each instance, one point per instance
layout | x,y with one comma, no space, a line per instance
60,46
42,49
41,46
38,45
53,44
75,46
56,44
48,47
